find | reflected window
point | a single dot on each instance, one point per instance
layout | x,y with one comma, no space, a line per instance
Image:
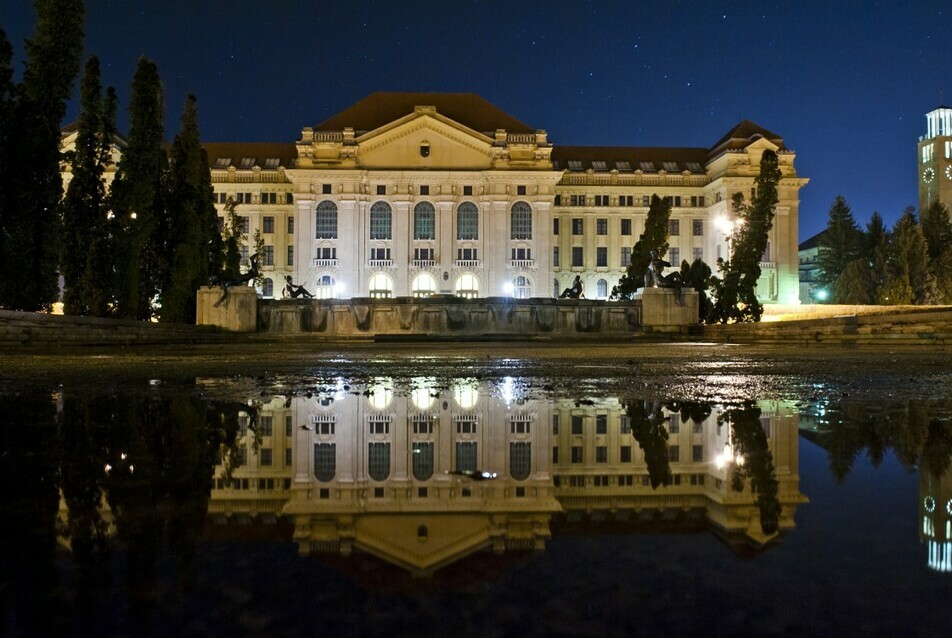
467,286
325,461
520,460
424,285
466,395
378,461
422,460
466,456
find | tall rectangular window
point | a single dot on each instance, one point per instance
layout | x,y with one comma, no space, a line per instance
625,257
601,424
291,225
674,256
267,224
577,257
674,227
268,258
577,421
601,226
601,257
626,227
466,456
697,227
290,255
577,225
555,226
555,257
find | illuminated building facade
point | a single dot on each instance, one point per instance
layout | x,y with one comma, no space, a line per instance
415,194
935,159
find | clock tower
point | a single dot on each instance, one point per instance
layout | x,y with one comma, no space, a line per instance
935,159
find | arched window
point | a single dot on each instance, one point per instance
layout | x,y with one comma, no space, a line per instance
424,285
381,221
521,221
520,460
467,286
601,289
381,286
267,288
424,221
325,461
467,221
378,463
325,220
325,287
521,287
422,460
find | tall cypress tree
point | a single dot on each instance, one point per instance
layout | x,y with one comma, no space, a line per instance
138,199
196,242
736,290
840,244
654,238
30,212
84,214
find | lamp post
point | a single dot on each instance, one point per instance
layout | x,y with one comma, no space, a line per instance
728,224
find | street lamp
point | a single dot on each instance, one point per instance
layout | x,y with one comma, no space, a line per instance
728,225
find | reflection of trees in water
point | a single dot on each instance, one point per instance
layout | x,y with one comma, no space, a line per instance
918,432
647,426
149,456
750,443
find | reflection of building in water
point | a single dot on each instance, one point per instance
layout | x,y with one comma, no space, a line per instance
384,471
601,472
935,509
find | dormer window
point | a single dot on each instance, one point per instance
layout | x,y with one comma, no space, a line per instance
647,167
424,149
247,162
695,167
671,167
599,165
223,162
623,165
272,162
575,165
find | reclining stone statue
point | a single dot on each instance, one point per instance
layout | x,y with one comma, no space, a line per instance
294,291
655,279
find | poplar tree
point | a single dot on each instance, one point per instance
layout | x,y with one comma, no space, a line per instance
84,207
196,242
234,239
654,238
29,214
840,244
735,291
138,201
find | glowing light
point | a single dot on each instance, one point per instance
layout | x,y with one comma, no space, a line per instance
822,295
466,394
380,393
507,288
338,290
508,390
108,468
422,394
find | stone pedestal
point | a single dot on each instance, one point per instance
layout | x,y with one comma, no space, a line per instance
237,311
662,308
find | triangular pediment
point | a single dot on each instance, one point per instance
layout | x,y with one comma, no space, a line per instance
424,140
422,542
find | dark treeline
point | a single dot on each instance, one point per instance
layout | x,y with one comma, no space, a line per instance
137,250
138,465
911,263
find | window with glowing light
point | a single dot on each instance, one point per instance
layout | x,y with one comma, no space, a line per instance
423,285
381,286
521,287
467,286
325,287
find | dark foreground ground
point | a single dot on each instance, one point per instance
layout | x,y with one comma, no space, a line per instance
688,370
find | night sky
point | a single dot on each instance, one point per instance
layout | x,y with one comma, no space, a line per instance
846,83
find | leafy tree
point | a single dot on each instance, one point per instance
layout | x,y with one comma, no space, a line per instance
233,240
84,208
194,221
654,238
735,292
138,200
840,244
29,213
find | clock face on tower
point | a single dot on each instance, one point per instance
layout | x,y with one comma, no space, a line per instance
928,175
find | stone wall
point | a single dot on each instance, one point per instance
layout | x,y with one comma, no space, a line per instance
33,330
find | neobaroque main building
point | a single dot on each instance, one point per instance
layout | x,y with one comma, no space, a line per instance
414,194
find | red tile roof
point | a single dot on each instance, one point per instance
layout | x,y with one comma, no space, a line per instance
469,109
